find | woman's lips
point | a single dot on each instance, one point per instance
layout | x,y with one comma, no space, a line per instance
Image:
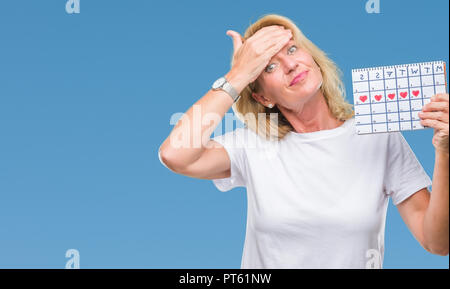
299,77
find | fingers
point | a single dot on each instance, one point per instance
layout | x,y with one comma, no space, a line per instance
440,97
436,124
268,36
276,40
263,38
436,115
436,106
263,32
270,44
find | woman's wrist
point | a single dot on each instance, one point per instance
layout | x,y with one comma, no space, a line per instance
237,80
442,154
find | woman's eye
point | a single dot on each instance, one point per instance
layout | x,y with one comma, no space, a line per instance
293,48
269,68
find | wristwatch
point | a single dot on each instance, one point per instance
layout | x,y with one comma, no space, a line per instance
223,84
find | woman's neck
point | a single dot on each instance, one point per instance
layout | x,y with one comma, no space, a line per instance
313,116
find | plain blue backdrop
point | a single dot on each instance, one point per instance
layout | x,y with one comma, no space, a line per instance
86,100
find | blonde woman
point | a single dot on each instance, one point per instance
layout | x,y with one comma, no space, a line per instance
317,192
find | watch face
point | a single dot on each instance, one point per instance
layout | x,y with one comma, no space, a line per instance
218,83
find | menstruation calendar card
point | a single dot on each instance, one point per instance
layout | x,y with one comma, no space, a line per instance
389,98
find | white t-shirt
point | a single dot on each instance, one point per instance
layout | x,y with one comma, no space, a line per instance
319,199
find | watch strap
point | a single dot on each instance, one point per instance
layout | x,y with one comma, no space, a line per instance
227,87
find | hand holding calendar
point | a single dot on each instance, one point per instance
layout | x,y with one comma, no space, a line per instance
436,115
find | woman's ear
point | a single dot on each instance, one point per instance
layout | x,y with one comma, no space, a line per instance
259,97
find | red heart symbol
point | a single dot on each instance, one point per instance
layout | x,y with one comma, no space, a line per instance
363,98
416,92
378,97
403,94
391,95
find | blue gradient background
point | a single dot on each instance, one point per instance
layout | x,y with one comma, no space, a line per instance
86,99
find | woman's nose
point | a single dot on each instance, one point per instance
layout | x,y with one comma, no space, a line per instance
289,63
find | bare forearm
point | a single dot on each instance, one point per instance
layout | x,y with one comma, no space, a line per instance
436,221
186,141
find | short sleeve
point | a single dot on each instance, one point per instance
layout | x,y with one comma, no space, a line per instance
233,143
404,175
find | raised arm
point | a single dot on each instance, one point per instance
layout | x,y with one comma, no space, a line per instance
201,157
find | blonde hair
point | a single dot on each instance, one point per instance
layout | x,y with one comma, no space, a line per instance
259,118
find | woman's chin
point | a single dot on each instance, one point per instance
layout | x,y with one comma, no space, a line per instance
306,89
